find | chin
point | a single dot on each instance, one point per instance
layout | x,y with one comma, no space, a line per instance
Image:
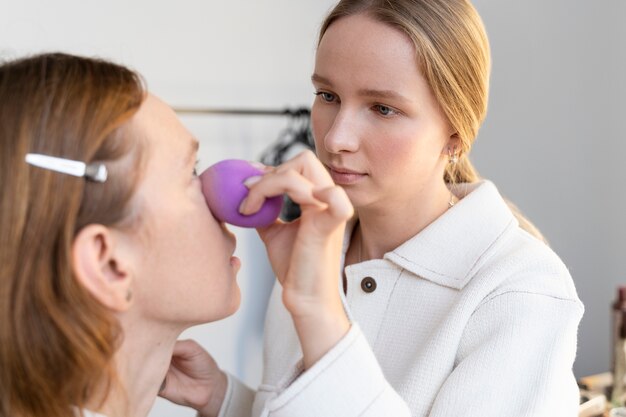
211,309
357,199
234,306
227,308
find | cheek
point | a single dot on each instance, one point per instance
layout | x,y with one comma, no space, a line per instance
187,257
205,244
210,288
392,144
404,150
198,286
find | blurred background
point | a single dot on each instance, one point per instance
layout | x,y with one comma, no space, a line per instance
553,141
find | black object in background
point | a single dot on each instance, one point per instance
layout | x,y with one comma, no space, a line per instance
293,140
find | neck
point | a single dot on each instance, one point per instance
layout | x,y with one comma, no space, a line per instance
141,364
385,226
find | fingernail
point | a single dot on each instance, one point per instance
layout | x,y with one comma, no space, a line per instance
252,180
242,206
258,165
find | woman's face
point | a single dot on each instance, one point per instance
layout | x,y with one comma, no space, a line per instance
185,273
377,125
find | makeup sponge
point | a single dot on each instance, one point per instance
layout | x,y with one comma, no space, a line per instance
223,189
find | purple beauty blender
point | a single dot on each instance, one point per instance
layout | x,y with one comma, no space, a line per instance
223,189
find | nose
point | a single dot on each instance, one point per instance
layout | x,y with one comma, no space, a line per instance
343,134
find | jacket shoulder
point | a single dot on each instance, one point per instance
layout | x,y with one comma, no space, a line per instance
527,264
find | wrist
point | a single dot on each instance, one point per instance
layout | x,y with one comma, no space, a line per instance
307,307
319,333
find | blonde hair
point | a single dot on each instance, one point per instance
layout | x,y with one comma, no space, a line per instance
453,55
57,342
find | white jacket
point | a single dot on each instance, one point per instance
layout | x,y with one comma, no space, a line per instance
470,317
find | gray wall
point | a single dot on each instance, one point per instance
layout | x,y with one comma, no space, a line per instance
551,142
554,140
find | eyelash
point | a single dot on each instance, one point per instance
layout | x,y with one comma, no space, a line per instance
322,93
376,107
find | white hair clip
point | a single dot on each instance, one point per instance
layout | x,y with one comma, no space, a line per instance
94,172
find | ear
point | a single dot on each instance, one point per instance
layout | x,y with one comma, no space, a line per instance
452,145
98,266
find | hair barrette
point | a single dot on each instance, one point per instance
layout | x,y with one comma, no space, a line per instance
95,172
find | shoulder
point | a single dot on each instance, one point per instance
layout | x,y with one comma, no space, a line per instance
511,259
524,292
527,265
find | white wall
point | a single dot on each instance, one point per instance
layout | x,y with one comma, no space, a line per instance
551,142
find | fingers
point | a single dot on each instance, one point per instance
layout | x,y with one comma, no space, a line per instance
299,178
339,207
188,362
184,350
168,390
308,165
187,348
285,181
261,166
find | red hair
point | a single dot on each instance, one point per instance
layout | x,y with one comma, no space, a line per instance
56,341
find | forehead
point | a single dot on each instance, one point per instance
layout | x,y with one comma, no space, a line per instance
166,138
367,48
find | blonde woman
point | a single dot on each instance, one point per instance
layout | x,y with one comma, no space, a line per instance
457,306
108,250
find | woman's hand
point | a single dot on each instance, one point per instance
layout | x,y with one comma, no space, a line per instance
306,253
194,379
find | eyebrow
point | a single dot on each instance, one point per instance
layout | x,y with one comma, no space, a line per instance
386,94
319,79
365,92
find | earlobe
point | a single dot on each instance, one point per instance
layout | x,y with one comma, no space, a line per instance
452,147
98,266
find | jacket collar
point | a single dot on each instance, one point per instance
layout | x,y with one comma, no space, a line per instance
451,249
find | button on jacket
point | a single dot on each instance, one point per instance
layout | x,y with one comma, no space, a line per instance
470,317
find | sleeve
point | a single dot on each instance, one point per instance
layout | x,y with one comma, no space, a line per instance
238,399
515,359
346,382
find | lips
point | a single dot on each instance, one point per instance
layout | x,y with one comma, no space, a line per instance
343,170
235,263
345,176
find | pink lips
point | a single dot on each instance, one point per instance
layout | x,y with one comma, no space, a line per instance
343,176
235,262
